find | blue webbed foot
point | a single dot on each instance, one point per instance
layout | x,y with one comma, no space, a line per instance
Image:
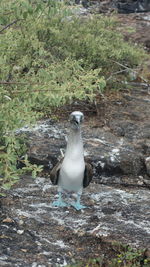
78,206
59,203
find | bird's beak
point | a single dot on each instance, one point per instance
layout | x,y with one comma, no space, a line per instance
78,119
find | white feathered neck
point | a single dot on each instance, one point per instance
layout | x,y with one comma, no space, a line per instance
75,144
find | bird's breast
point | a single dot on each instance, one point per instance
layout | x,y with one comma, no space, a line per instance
71,174
73,168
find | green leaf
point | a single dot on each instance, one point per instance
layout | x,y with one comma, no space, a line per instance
2,194
6,186
34,173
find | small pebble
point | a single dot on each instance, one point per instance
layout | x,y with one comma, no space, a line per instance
20,232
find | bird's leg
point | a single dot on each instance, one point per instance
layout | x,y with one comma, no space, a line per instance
60,202
69,194
77,205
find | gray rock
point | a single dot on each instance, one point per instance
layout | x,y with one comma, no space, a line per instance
109,154
147,163
52,236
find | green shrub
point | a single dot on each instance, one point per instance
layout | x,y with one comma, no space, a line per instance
48,57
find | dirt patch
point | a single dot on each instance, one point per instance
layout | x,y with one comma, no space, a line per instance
136,27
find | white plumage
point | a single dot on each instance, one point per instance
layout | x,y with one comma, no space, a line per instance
72,174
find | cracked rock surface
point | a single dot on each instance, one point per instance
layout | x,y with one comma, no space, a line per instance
34,233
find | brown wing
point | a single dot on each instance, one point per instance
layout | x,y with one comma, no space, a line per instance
88,174
54,174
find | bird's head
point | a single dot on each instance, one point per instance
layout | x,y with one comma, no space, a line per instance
76,118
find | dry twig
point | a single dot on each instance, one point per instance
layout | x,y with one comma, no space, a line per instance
10,24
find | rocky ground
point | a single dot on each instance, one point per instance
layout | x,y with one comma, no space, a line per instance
33,233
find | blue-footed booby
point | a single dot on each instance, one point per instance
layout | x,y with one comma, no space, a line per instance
72,173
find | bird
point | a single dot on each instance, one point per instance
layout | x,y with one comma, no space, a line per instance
73,172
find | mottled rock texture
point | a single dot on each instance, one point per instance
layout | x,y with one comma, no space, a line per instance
34,233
